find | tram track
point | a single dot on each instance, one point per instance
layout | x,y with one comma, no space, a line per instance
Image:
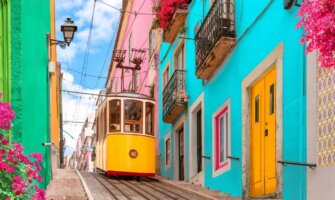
135,188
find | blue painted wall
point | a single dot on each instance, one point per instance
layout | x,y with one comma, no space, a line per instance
260,27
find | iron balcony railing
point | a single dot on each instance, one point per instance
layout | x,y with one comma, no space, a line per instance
219,22
175,85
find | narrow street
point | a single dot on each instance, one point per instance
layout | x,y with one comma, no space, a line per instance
133,188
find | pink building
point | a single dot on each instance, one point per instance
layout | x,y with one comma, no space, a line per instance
134,33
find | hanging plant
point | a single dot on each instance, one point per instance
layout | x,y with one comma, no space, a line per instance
165,10
318,21
19,173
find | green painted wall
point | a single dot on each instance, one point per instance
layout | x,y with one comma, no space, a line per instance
30,21
4,50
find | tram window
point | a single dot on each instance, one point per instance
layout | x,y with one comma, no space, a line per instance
133,116
114,115
149,118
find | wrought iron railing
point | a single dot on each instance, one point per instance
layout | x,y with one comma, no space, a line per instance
170,93
220,21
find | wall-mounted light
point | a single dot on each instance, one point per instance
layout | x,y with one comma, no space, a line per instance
289,3
68,29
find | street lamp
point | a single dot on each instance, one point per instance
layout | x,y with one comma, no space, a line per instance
68,29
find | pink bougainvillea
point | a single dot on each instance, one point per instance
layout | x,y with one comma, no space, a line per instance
166,9
318,21
6,115
18,173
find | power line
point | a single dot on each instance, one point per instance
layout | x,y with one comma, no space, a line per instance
107,54
84,93
124,11
75,122
84,69
69,134
132,24
89,75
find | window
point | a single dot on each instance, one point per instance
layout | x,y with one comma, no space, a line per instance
166,76
167,151
114,115
149,118
133,116
272,98
180,58
221,139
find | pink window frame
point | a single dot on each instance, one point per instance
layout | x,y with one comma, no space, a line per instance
219,165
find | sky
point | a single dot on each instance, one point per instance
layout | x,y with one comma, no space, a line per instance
81,66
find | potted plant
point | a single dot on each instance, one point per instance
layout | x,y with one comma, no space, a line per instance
171,15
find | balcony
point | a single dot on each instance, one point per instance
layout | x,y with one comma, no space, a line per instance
215,38
174,97
177,21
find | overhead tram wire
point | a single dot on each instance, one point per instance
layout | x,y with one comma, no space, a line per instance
107,54
83,71
124,11
131,26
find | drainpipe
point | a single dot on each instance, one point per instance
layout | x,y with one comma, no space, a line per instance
61,142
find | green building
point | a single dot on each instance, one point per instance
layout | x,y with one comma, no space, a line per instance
24,73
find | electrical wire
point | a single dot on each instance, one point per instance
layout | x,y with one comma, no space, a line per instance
124,11
109,48
84,68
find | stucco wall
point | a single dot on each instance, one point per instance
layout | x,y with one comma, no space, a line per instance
260,27
30,21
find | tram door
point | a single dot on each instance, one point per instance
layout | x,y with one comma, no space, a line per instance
181,153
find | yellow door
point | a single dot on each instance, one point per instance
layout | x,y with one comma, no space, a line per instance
263,136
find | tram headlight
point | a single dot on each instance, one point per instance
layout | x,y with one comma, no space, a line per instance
133,153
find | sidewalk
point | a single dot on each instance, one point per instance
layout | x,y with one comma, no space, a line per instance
66,185
201,191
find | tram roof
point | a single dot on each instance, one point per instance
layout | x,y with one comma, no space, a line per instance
130,95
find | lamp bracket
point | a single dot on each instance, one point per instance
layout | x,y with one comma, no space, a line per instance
62,44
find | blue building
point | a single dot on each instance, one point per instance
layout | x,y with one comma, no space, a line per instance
232,99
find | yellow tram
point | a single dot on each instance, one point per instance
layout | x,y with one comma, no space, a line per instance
126,135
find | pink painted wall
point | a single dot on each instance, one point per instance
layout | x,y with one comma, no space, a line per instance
136,36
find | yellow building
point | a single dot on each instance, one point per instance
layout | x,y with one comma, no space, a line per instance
55,95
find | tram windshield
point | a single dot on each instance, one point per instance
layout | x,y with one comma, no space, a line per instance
133,116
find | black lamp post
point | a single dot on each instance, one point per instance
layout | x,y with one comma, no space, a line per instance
68,29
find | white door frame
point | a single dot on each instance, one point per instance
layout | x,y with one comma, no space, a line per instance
177,126
195,177
275,57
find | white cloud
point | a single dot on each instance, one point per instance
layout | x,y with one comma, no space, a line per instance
85,109
105,19
63,5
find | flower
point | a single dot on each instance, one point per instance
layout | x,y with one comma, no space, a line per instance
17,172
317,19
18,185
4,142
6,116
166,9
39,194
37,156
